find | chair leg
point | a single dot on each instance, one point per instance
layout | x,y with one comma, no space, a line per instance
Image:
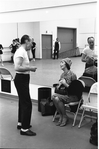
75,116
91,115
81,118
54,116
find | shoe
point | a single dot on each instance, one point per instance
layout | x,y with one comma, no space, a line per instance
59,122
64,122
19,127
28,133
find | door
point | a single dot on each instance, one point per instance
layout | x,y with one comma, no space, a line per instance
67,38
46,46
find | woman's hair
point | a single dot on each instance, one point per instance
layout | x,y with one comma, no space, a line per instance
24,38
68,67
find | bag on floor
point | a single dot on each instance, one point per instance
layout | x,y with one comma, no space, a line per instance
94,134
47,107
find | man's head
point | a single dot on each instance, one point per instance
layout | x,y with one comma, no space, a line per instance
25,40
91,41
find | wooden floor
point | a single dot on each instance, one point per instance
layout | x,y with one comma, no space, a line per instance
48,71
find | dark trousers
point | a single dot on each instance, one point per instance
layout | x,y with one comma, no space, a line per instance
56,53
21,82
33,53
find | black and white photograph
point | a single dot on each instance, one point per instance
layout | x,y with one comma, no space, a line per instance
49,74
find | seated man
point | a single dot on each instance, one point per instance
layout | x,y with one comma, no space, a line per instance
91,70
89,52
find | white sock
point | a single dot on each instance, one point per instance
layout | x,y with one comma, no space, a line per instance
24,130
19,124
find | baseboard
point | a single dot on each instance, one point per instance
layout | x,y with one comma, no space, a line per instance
13,97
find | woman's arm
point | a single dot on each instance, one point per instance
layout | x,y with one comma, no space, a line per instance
63,81
20,68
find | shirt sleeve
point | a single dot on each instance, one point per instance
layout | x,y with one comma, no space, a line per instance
84,51
19,53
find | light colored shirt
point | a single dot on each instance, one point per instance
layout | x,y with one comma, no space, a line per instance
21,52
89,52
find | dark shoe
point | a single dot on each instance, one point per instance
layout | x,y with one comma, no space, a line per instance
19,127
64,122
28,133
59,122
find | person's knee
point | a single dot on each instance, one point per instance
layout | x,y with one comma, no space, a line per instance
56,99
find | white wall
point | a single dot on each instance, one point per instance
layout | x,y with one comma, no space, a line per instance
25,28
87,28
8,32
36,36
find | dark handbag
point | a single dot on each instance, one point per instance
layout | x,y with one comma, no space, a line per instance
94,134
62,90
47,107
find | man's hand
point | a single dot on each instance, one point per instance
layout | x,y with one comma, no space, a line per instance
33,69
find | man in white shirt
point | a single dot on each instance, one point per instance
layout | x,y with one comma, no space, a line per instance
89,52
21,81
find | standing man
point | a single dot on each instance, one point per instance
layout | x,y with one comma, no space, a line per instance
21,81
56,48
33,48
89,52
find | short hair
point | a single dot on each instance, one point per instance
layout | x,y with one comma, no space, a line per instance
90,38
24,38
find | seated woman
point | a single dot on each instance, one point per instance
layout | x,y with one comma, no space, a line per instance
91,71
59,100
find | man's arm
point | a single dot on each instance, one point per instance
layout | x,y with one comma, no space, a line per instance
20,68
83,58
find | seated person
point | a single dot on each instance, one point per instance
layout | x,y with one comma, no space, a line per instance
89,52
59,100
91,70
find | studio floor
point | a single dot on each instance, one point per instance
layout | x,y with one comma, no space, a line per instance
48,71
49,136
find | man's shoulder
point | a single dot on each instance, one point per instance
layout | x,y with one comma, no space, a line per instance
86,49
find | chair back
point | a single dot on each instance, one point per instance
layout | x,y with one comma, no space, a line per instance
93,94
76,88
6,72
88,82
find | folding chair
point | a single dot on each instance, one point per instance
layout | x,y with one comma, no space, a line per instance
78,103
91,103
88,82
5,72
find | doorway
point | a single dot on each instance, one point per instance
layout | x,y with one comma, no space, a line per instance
46,46
67,38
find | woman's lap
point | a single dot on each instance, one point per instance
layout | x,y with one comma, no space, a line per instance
62,98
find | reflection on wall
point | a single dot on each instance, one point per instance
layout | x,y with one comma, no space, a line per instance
85,27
